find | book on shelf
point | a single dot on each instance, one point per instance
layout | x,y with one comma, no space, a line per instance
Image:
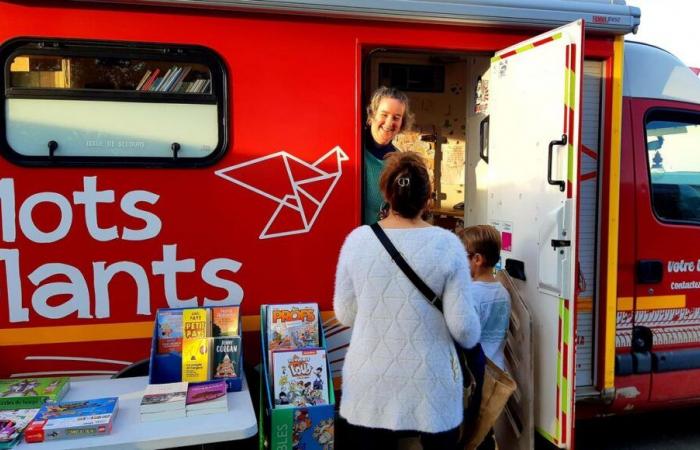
225,357
145,77
164,397
24,393
195,359
180,79
300,377
224,321
195,323
12,424
65,420
292,326
169,330
147,85
207,398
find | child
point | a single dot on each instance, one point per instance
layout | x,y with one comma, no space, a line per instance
483,243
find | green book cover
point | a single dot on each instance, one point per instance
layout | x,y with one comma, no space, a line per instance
23,393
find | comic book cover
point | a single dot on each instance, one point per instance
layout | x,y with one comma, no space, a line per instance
292,326
226,357
300,377
23,393
224,321
195,323
12,423
74,419
169,330
195,359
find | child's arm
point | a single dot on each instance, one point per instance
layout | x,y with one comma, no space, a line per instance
458,305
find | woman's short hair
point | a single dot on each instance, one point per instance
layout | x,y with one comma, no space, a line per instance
386,92
405,183
484,240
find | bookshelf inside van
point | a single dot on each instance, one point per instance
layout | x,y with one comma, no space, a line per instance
81,102
39,71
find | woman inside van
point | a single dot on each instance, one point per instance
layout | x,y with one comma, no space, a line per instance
388,114
401,371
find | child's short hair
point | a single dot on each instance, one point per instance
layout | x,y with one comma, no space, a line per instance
484,240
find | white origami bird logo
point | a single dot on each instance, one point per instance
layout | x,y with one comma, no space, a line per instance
300,196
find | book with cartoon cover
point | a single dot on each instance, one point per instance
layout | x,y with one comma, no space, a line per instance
300,378
169,330
12,423
292,326
225,357
23,393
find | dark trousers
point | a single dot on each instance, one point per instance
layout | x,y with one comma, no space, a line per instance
381,439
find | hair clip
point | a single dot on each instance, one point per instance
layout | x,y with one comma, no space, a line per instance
403,181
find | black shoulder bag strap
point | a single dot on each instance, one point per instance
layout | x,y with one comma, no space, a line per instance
431,296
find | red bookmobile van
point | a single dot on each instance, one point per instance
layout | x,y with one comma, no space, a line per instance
177,153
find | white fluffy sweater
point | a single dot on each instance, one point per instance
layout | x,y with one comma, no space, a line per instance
401,371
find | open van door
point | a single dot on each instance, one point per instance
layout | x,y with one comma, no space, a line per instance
534,141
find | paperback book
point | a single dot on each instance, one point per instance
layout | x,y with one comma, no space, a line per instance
24,393
65,420
195,323
292,326
224,321
195,359
300,378
208,397
164,397
169,330
226,357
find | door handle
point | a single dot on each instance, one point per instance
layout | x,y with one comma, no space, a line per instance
560,183
649,271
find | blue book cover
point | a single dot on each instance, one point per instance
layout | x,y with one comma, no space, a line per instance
73,419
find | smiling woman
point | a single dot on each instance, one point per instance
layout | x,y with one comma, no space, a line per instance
388,113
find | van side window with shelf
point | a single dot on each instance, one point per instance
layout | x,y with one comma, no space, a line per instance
96,103
673,156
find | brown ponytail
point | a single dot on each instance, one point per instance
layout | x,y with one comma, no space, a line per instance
405,183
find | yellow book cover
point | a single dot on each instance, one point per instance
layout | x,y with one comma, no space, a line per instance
195,359
195,323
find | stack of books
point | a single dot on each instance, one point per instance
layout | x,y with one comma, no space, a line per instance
207,398
67,420
164,401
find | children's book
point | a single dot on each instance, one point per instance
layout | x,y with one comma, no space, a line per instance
224,321
23,393
195,323
169,330
12,423
226,353
75,419
300,378
164,397
292,326
195,359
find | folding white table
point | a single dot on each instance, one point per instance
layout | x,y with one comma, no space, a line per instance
128,432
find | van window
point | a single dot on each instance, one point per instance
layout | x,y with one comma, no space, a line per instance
673,155
98,103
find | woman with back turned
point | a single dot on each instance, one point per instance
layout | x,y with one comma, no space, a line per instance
401,369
